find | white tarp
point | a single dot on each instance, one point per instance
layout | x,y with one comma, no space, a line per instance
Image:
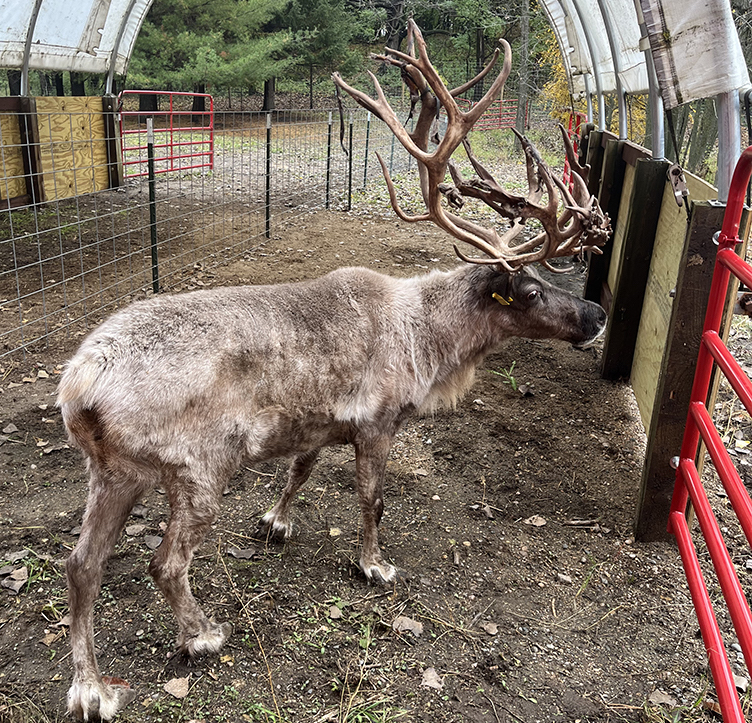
566,17
77,35
695,49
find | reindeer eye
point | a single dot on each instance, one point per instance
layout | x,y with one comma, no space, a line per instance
533,295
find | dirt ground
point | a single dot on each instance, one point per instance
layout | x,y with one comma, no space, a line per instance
526,598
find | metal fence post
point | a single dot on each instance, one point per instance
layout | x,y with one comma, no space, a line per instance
152,204
365,156
350,166
268,175
328,158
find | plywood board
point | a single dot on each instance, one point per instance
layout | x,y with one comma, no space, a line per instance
656,311
12,181
73,148
621,226
629,277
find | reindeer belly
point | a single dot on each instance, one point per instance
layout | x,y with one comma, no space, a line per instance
276,432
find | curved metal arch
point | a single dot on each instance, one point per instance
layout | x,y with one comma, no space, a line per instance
116,46
27,47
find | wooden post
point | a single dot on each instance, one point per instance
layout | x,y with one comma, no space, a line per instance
671,406
30,149
633,267
112,141
594,158
609,198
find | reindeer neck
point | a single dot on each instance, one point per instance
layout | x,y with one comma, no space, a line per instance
457,313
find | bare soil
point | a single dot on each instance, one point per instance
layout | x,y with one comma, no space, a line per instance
526,598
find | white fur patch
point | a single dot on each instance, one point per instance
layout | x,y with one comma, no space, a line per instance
98,701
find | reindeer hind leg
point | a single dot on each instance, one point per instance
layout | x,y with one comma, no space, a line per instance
111,498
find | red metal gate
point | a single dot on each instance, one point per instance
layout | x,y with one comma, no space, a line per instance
184,138
713,352
501,113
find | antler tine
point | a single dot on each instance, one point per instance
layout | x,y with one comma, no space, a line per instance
460,89
582,225
383,110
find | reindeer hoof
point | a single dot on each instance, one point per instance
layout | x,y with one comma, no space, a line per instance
270,528
99,701
379,572
206,641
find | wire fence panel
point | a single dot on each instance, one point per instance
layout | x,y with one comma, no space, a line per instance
70,259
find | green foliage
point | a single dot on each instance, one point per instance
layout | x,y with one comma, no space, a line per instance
506,375
186,43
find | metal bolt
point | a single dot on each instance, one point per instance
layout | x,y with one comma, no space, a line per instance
675,462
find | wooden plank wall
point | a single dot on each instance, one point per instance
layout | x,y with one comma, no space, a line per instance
662,278
73,146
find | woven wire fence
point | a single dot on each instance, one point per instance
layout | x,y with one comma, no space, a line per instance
87,248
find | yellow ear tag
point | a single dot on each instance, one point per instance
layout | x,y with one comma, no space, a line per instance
502,300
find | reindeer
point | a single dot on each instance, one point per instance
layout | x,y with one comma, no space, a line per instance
179,390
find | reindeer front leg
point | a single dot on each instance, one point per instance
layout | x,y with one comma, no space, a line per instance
371,453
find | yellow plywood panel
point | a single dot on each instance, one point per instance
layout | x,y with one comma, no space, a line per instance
72,146
621,226
12,182
656,311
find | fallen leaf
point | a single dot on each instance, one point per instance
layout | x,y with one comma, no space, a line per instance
42,442
489,514
153,541
50,638
741,683
9,429
421,473
13,585
8,569
403,624
535,520
177,687
56,447
658,697
712,706
431,679
42,374
490,628
22,573
245,553
133,530
334,612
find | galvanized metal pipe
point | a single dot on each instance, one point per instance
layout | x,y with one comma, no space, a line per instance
594,59
729,140
621,96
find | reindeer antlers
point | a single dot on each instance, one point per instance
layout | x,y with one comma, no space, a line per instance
581,226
